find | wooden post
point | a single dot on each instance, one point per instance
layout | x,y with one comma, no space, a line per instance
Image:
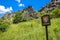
46,32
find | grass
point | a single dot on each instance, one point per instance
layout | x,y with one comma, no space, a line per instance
32,30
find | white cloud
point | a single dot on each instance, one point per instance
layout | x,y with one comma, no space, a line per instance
4,10
21,5
11,8
18,1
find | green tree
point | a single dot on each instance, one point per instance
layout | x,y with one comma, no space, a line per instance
18,17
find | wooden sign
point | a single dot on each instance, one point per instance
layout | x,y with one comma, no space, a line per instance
45,20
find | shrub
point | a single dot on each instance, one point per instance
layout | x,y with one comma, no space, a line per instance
55,13
21,17
4,26
18,17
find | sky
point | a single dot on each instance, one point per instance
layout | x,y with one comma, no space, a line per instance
15,5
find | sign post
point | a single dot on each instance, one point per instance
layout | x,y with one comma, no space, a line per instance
45,22
46,33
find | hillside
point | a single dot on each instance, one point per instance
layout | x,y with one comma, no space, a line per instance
26,24
32,30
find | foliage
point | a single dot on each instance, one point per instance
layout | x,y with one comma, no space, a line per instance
38,14
18,17
21,17
32,30
55,13
4,25
41,14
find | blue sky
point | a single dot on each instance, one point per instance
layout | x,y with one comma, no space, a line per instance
15,5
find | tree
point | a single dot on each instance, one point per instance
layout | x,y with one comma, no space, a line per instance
18,17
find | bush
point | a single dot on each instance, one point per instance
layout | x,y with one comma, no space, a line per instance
21,17
4,26
18,17
55,13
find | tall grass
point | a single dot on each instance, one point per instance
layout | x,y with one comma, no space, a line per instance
32,30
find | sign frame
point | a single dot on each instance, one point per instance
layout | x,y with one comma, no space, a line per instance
45,20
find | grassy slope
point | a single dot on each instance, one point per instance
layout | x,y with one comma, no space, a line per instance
32,30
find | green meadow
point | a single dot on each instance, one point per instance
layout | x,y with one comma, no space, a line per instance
32,30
